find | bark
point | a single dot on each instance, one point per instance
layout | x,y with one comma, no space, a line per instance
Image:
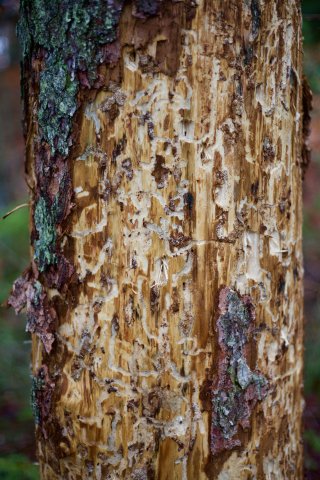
164,155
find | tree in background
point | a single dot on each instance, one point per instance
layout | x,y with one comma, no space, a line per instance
164,158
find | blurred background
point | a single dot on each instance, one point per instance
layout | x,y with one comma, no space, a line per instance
17,450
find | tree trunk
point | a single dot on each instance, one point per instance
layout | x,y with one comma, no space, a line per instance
164,156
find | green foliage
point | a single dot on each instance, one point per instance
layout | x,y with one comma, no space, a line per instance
311,356
16,420
14,248
311,21
17,467
311,31
311,37
313,439
14,373
311,68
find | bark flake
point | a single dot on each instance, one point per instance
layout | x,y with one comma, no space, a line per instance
237,388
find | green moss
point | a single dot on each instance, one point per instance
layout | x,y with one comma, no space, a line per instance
44,247
69,38
37,385
47,216
57,105
70,33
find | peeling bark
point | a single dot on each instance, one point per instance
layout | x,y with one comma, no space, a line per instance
164,151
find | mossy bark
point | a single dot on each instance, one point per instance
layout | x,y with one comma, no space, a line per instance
164,152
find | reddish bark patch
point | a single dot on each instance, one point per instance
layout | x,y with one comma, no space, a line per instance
62,274
18,295
237,388
30,294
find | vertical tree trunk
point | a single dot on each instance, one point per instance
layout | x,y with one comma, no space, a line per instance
164,148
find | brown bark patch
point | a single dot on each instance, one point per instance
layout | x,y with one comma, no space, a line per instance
160,171
238,386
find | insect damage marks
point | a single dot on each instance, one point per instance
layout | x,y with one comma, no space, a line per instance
71,51
62,49
64,46
238,386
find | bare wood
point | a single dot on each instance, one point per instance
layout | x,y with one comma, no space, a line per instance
185,237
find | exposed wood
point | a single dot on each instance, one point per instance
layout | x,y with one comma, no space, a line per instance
168,344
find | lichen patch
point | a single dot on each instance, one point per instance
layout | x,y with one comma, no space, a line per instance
237,388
